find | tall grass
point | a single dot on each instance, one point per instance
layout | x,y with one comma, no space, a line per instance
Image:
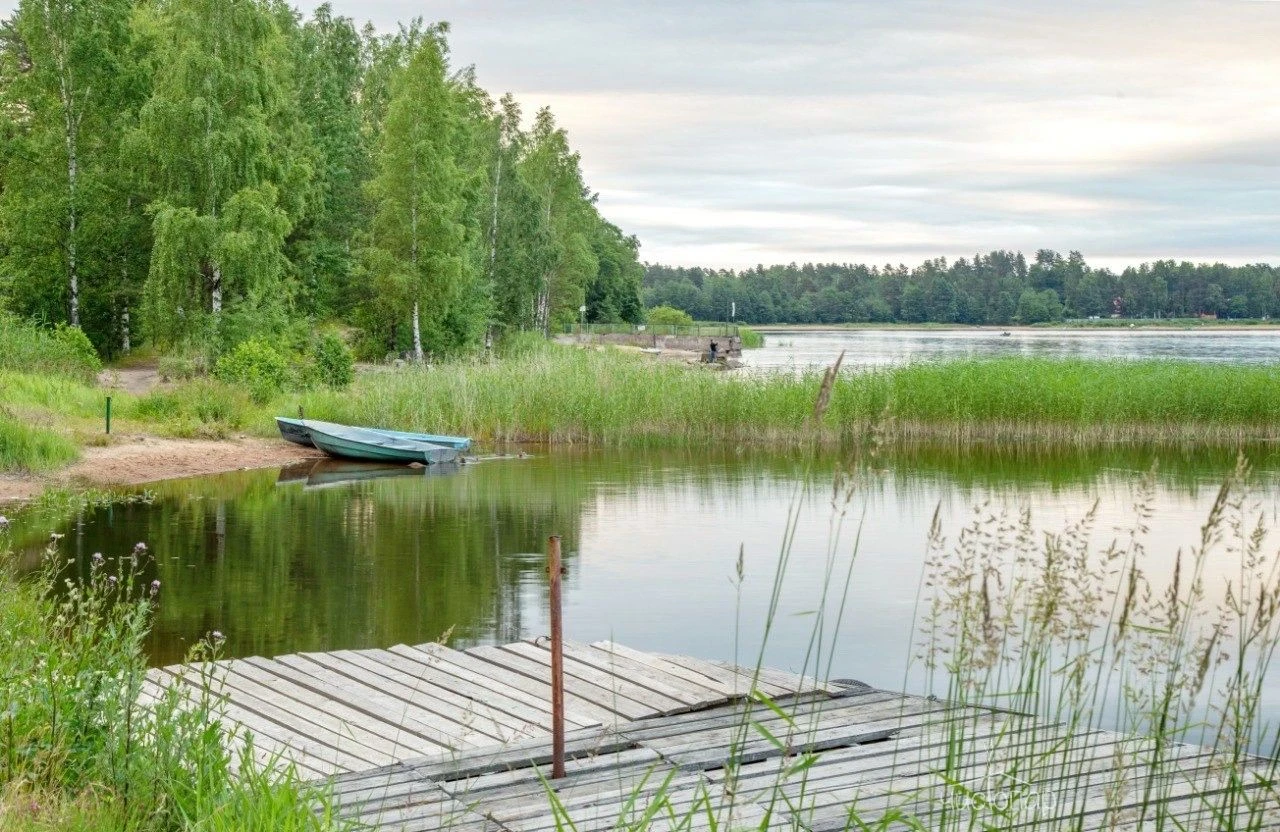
1037,645
60,351
546,393
26,447
565,395
80,750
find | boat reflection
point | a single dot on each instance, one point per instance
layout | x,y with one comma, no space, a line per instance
328,473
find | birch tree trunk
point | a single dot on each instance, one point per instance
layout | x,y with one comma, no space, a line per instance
417,335
493,220
71,119
215,291
413,260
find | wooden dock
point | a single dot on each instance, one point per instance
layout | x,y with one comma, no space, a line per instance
428,738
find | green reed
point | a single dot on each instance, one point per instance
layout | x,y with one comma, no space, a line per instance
1085,680
607,397
536,392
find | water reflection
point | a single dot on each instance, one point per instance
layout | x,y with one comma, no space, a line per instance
879,347
341,557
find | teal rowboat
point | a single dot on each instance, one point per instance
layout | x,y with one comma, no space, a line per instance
375,446
298,432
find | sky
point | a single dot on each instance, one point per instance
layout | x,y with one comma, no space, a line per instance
727,134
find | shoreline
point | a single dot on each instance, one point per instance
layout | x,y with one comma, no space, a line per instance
1119,326
143,458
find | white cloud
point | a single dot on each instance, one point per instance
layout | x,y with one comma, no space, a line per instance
724,133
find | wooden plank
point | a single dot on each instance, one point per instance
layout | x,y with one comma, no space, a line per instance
579,745
704,751
740,713
729,673
575,688
514,683
578,673
280,742
913,792
275,704
419,693
297,720
783,681
362,705
714,684
153,693
494,697
645,676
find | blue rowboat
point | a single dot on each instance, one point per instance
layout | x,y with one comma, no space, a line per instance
297,431
375,446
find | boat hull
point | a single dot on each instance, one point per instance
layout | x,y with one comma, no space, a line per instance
298,431
293,430
371,446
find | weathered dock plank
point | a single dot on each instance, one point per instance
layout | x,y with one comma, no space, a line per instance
425,739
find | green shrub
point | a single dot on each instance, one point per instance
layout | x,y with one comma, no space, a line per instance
669,316
257,367
182,366
332,361
64,350
78,348
202,407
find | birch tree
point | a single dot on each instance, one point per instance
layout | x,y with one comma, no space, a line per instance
554,175
327,54
419,235
67,97
228,159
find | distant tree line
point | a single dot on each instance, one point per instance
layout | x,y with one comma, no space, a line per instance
206,171
996,288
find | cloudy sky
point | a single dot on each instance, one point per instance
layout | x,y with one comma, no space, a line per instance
731,133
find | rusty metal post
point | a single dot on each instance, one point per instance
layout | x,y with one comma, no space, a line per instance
557,660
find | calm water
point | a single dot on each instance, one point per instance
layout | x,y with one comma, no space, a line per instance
330,558
802,350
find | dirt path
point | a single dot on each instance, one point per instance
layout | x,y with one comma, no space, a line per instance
138,380
132,460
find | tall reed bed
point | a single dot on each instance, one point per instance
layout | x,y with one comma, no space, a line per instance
608,397
79,750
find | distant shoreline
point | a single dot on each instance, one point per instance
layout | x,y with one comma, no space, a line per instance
1112,324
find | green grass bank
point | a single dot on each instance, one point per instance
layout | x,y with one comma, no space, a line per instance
565,395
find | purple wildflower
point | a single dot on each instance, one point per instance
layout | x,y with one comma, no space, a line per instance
217,637
139,548
97,559
155,588
112,580
4,522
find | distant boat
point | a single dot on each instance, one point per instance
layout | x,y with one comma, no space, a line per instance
297,432
375,446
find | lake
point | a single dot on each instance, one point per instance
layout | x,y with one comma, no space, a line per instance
334,557
807,349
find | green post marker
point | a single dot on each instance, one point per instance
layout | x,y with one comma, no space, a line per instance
108,414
